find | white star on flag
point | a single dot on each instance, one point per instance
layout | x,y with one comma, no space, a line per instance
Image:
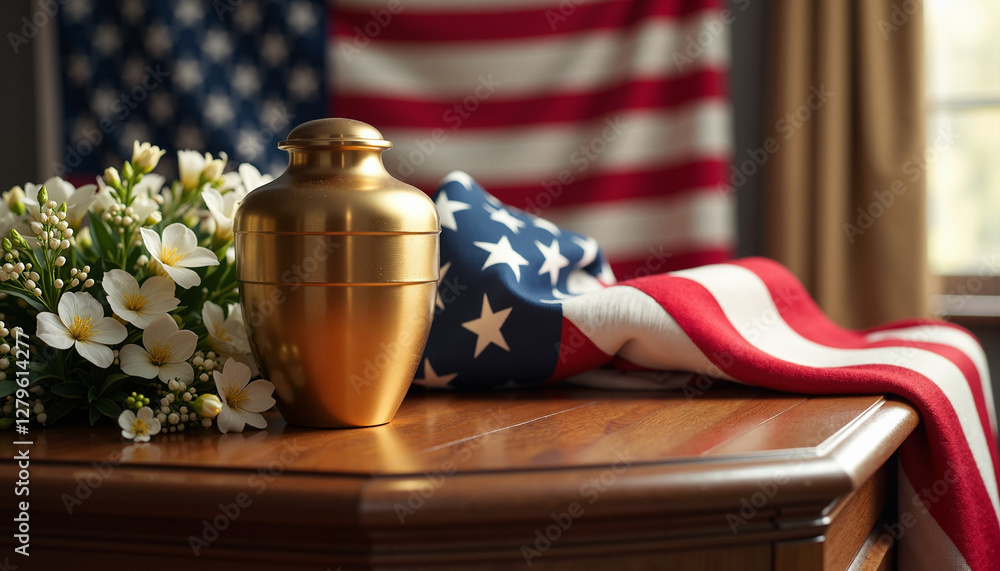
444,271
589,246
546,225
554,260
503,253
487,327
432,380
447,209
503,216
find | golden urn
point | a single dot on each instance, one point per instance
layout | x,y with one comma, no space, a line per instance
337,263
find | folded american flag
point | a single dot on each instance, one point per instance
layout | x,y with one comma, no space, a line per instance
522,301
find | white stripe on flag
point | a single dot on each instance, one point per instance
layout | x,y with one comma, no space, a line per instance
743,305
925,546
527,67
955,338
624,321
655,227
630,140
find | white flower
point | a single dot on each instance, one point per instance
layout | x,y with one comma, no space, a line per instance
167,349
145,157
252,178
7,220
139,305
81,322
143,194
242,403
138,427
194,167
178,251
77,200
225,335
222,207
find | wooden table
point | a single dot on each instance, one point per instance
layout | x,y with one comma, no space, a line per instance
562,478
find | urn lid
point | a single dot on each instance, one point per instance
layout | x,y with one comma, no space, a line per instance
334,132
335,184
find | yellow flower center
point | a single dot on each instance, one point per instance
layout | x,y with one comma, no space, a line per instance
170,256
82,328
236,397
140,427
221,333
134,301
159,354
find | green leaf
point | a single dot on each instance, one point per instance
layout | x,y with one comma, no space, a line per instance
30,298
102,236
92,394
94,415
108,408
7,388
70,390
112,382
58,410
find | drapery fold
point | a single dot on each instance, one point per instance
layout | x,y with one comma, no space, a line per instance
845,196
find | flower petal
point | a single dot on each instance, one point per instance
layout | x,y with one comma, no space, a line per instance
198,257
211,314
151,240
182,276
96,353
126,419
182,345
181,371
137,362
258,395
158,288
80,304
254,419
145,413
108,331
118,283
181,237
51,330
159,331
154,427
229,421
237,373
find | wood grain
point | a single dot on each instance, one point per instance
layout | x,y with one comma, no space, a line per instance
463,479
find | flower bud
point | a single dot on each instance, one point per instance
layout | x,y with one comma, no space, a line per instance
42,196
207,406
112,178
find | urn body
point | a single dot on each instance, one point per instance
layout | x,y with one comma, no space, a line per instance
337,264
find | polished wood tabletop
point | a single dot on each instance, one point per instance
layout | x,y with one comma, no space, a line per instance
480,472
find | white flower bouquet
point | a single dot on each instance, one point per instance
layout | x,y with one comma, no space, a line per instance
118,300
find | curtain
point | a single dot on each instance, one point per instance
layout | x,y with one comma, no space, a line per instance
844,189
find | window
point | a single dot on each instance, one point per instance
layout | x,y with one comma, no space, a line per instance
963,136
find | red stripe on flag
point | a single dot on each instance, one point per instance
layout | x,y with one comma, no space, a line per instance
702,319
411,24
680,259
801,313
702,174
577,353
555,107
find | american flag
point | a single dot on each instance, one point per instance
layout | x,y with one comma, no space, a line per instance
611,117
229,76
566,108
523,301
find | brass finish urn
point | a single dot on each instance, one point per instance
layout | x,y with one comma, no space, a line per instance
337,263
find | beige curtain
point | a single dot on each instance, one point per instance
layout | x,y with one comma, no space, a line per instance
846,104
